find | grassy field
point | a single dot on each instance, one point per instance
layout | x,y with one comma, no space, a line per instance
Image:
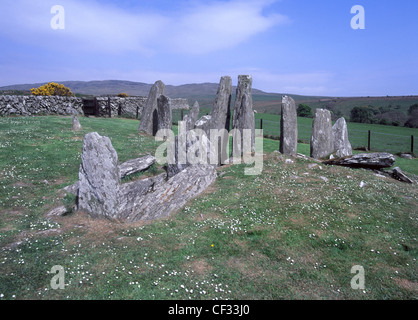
293,232
383,138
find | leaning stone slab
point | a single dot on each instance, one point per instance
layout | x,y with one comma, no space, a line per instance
135,165
376,160
399,175
322,143
99,177
148,115
288,127
131,194
173,194
191,148
342,146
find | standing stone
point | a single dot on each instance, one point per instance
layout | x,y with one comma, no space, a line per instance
148,114
243,116
219,118
220,115
288,127
342,146
244,87
322,143
76,124
192,117
244,142
99,177
165,117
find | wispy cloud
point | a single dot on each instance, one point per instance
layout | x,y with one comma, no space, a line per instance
198,29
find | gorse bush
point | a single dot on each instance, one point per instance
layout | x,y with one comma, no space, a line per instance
52,89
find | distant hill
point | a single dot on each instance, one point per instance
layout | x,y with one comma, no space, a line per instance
112,87
204,93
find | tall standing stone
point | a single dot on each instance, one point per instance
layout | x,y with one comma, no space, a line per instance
244,87
192,117
219,118
245,126
288,127
342,146
221,112
99,177
148,115
164,112
322,142
243,118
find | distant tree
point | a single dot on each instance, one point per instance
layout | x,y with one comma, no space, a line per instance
384,122
412,121
123,95
412,108
304,110
362,115
52,89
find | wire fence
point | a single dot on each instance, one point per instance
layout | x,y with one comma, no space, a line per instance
360,139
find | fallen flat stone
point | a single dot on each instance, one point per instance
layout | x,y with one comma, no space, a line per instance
136,165
406,156
377,160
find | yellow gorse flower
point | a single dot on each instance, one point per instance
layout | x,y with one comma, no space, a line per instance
52,89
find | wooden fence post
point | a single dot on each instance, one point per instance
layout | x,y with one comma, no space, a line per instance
109,110
261,124
412,143
368,141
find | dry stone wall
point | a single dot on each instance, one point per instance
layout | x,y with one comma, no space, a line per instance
31,105
56,105
121,106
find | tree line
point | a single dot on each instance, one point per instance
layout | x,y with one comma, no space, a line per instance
373,115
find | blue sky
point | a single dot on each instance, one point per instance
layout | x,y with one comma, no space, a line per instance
288,46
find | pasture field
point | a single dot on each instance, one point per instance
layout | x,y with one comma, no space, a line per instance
293,232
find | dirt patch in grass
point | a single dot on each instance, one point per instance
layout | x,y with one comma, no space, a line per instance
96,230
200,267
406,284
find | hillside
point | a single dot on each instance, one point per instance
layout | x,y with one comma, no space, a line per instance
395,108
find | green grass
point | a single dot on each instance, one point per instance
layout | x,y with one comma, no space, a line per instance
284,234
383,138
